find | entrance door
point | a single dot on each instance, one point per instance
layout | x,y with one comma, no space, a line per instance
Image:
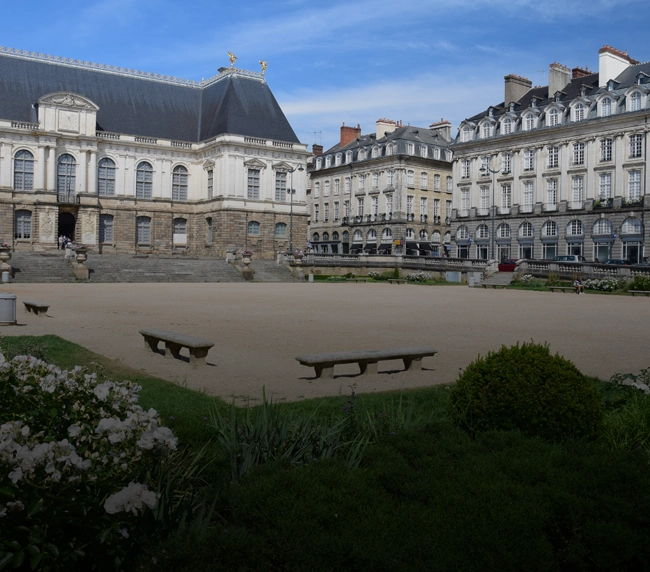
66,225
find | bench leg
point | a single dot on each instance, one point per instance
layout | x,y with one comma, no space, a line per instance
198,355
324,371
412,364
151,344
368,368
172,350
41,313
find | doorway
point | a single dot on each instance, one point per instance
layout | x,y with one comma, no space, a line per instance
66,225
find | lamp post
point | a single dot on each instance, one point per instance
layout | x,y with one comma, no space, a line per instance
483,169
292,192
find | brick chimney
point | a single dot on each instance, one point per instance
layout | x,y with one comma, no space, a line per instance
317,150
385,126
349,134
580,72
559,77
515,88
611,63
442,128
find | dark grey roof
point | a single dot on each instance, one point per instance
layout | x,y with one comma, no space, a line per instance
137,105
408,133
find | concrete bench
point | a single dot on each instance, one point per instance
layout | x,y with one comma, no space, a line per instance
174,342
639,292
397,281
493,286
324,363
360,279
37,308
562,288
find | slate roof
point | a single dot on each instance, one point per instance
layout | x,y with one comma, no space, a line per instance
136,105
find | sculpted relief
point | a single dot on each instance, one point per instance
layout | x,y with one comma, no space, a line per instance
88,227
46,225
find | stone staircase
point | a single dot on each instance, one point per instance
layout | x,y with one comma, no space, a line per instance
499,278
52,267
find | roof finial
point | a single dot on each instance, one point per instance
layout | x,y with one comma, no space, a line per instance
264,65
232,58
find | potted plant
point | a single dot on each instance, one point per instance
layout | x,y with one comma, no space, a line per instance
246,256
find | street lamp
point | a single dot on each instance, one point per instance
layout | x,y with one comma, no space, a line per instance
484,169
292,192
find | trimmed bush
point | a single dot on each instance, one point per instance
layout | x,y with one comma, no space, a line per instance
526,388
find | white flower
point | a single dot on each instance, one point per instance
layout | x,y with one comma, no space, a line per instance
74,430
130,499
3,511
16,475
101,391
124,532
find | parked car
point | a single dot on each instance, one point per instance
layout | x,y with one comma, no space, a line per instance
507,265
619,261
644,262
569,258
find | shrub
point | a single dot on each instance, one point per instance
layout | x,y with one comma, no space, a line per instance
526,388
419,277
373,274
553,279
387,275
640,283
606,284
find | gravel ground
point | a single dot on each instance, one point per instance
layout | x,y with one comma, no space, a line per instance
259,329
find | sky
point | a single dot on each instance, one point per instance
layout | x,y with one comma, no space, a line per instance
341,61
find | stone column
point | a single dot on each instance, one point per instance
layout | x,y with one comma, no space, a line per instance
83,168
51,169
92,173
40,169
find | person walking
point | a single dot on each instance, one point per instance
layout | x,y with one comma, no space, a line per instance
61,242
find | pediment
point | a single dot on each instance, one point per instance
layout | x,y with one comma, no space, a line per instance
255,164
282,166
67,99
209,164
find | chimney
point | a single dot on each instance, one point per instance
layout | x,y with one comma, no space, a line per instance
559,77
611,63
516,87
349,134
579,72
317,150
442,128
385,126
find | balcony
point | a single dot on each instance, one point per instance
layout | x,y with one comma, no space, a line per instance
576,205
67,198
606,203
482,212
463,213
548,207
424,218
410,217
526,209
504,210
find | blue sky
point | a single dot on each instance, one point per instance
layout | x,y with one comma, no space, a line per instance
341,61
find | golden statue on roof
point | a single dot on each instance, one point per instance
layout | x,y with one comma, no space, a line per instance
232,58
264,65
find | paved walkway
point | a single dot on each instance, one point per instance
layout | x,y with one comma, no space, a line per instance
259,328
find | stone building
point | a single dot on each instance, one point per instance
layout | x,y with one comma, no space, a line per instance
386,192
128,161
558,169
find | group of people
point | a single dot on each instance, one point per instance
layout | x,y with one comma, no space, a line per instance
63,242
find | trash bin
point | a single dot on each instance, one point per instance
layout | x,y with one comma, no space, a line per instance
5,276
7,309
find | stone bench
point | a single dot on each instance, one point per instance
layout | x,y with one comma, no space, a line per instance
562,288
493,286
174,342
361,279
324,363
396,281
37,308
639,292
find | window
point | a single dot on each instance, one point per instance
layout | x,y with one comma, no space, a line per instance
337,187
466,134
632,225
143,181
106,228
347,185
410,179
578,153
464,199
503,231
436,183
326,189
386,235
389,178
410,148
210,184
423,206
526,230
319,163
464,168
326,212
375,180
389,204
436,153
424,151
315,237
338,159
358,236
424,181
551,192
579,112
636,146
326,236
180,231
575,228
209,233
143,230
374,205
507,126
254,184
448,208
24,171
528,195
281,186
254,227
361,155
409,204
549,228
602,226
435,236
280,229
316,190
346,208
328,162
506,196
606,107
605,186
606,149
65,177
360,207
485,198
462,233
578,187
23,225
335,235
410,233
316,212
179,183
436,207
348,157
529,122
450,185
506,162
553,118
485,166
362,182
529,160
389,150
482,231
553,157
337,211
635,101
486,130
634,185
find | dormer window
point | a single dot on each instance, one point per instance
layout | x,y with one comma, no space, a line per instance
362,154
635,101
579,112
611,85
389,150
553,117
511,107
558,96
528,122
424,151
348,157
410,149
507,126
640,78
486,130
436,153
337,159
319,163
375,152
328,161
466,134
606,107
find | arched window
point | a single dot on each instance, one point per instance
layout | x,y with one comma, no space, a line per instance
253,227
372,235
410,233
106,178
326,236
462,233
143,180
280,229
389,150
424,235
375,152
335,235
24,171
602,226
435,236
346,236
315,237
549,228
447,237
482,231
65,178
503,231
467,133
553,117
106,228
632,225
386,235
23,226
180,231
361,155
507,126
337,159
179,183
526,230
635,101
143,230
579,112
575,228
358,236
486,130
529,122
606,107
348,157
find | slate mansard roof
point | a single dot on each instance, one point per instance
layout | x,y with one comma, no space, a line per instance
136,103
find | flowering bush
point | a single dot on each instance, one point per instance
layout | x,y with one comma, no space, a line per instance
74,451
374,275
526,278
606,284
419,277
